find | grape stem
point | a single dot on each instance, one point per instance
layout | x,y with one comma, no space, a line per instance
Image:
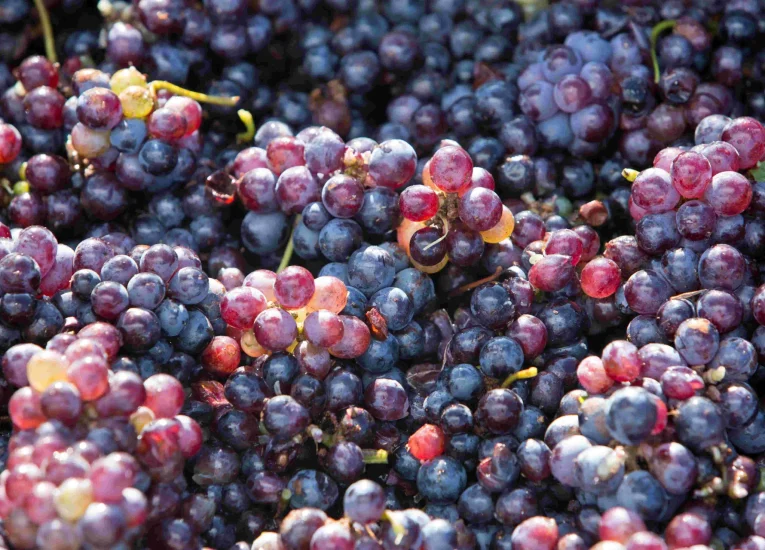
290,247
445,229
398,529
246,117
524,374
196,96
629,174
47,29
375,456
655,32
20,187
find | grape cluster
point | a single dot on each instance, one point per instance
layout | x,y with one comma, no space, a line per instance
340,190
461,199
271,310
567,92
382,317
92,445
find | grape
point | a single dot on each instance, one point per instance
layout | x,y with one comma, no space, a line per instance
294,287
241,306
480,209
418,203
536,532
392,164
275,329
654,191
11,140
748,137
567,243
600,278
691,174
687,530
619,524
450,169
729,193
551,273
342,196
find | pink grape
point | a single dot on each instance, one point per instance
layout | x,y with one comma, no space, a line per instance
729,193
652,191
691,173
263,280
355,340
294,287
418,203
592,375
600,278
323,328
241,306
275,329
451,169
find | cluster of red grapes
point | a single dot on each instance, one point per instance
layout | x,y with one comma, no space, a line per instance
293,311
453,214
89,444
705,178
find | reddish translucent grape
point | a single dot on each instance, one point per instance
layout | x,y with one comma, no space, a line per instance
240,306
418,203
600,278
355,340
451,169
691,174
294,287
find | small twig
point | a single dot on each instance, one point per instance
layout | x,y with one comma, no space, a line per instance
629,174
469,286
524,374
246,117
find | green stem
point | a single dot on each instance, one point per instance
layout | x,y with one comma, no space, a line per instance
20,187
524,374
249,124
655,32
629,174
398,529
47,28
202,98
290,247
375,456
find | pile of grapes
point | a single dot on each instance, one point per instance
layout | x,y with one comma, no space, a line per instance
382,275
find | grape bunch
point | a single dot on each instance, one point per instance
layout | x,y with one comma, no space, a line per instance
364,505
341,190
453,214
270,311
92,445
567,93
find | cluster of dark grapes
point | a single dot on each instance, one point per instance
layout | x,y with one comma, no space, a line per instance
566,93
381,317
340,190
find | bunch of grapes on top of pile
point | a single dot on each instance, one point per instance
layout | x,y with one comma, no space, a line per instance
381,317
